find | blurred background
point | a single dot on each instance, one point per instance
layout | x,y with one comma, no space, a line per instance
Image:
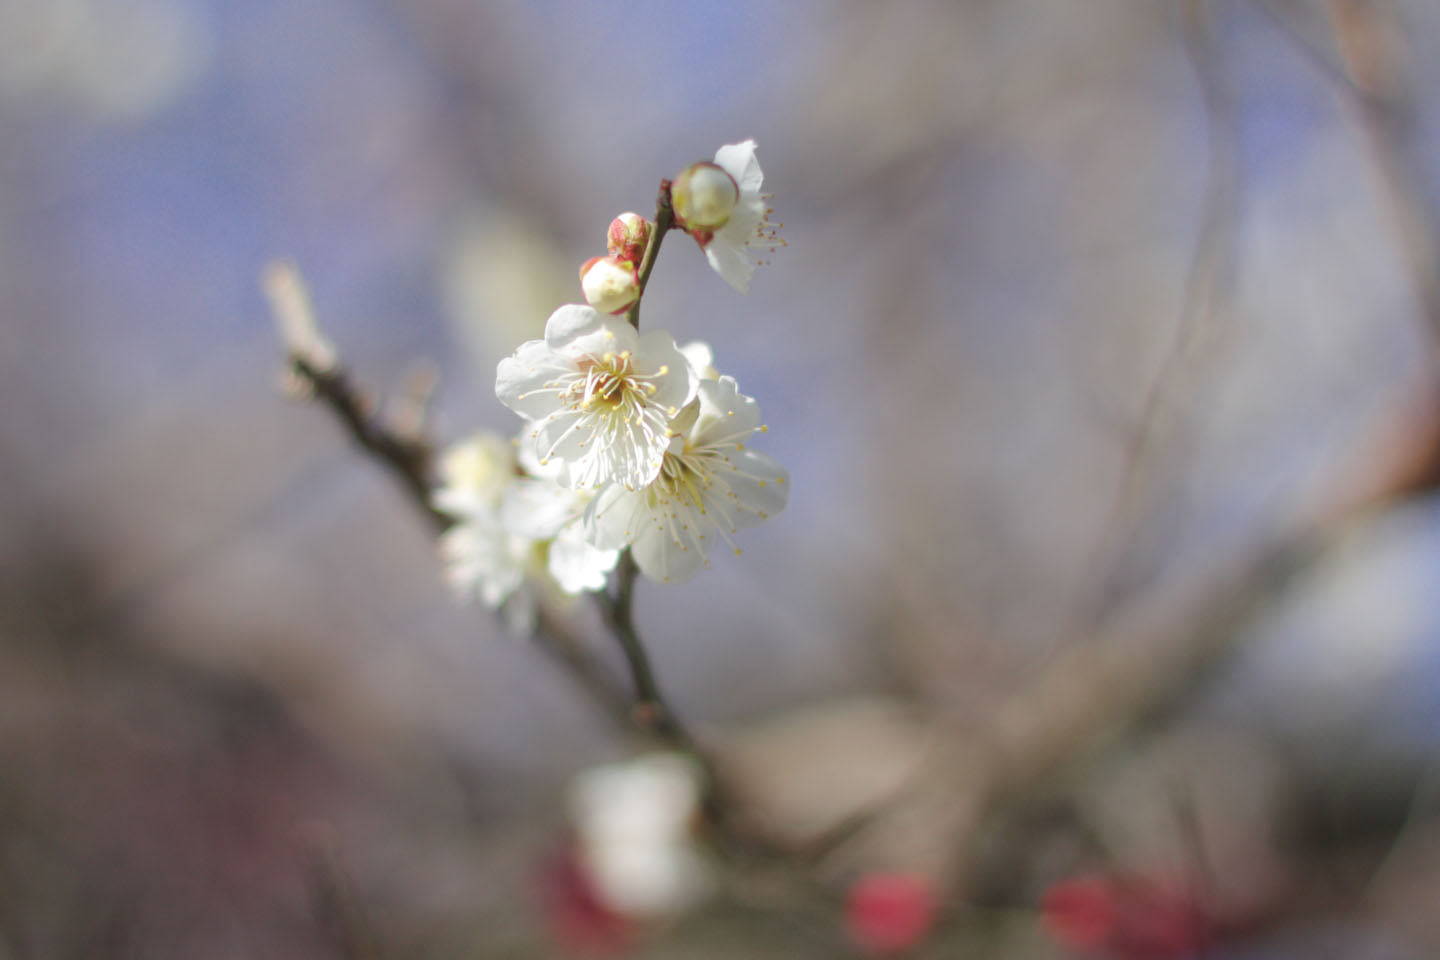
1106,608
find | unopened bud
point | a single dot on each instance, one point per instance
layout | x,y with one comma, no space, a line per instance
629,236
609,283
703,197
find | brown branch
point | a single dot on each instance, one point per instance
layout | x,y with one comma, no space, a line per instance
664,220
1209,267
317,373
408,460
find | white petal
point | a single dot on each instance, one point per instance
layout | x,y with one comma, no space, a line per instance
575,564
529,462
577,331
701,359
731,261
482,558
727,416
665,551
520,380
738,160
614,516
755,487
568,322
538,508
656,351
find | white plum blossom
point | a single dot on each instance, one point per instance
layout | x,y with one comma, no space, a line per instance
710,485
511,530
545,511
599,396
481,557
633,831
735,248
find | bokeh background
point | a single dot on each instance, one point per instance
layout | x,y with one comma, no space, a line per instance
1102,354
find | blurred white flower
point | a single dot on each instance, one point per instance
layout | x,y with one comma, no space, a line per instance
599,396
481,557
710,485
734,248
474,473
512,529
632,823
484,559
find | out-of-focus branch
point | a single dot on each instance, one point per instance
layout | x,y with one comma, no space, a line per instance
1370,79
316,371
1209,270
337,909
651,710
1370,44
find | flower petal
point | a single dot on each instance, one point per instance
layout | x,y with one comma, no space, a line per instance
668,552
575,564
731,261
755,486
614,516
656,351
578,331
539,508
727,416
525,382
738,160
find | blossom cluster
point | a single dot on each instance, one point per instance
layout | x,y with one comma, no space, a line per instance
631,441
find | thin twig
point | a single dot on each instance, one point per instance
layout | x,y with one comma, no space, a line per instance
664,220
336,907
408,460
1209,266
651,712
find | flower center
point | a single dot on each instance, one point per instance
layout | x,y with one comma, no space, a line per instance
681,479
612,384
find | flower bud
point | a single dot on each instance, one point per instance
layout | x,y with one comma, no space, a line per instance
703,196
629,236
610,283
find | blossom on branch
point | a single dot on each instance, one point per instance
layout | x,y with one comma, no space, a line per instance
481,557
513,532
599,396
733,243
710,485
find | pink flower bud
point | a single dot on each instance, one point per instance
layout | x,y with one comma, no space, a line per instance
629,236
610,284
703,197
